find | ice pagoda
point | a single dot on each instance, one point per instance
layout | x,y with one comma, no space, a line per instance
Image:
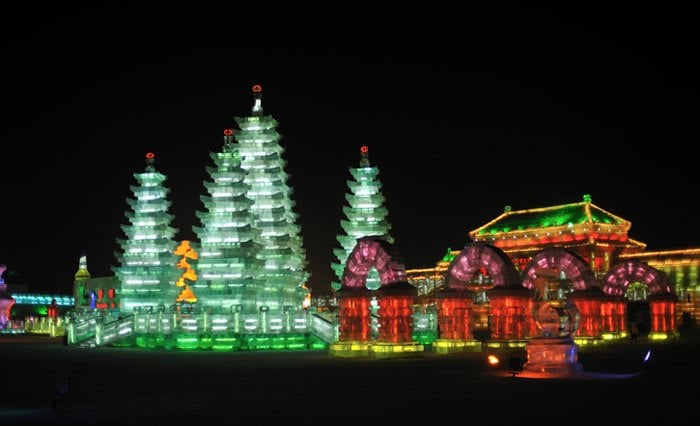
147,265
252,253
365,216
228,265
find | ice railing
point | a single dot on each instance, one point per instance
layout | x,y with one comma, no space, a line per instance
106,328
324,326
54,327
81,325
264,322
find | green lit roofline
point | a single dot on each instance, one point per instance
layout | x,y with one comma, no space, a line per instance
562,216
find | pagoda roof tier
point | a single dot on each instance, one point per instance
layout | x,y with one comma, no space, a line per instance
341,253
352,237
365,173
378,213
228,203
153,178
260,170
229,175
153,192
366,228
267,200
254,142
148,206
356,201
155,219
256,122
370,187
164,271
242,253
225,238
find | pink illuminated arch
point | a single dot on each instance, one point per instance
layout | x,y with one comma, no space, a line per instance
573,266
373,251
622,275
475,256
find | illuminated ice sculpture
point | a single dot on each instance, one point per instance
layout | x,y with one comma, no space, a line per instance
6,301
228,267
554,352
146,270
365,215
282,256
395,298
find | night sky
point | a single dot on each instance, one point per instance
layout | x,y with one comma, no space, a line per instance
464,112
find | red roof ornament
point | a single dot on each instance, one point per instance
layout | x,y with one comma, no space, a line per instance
150,155
228,132
364,149
257,88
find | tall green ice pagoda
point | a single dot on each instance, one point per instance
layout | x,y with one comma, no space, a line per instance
147,266
228,267
283,272
365,216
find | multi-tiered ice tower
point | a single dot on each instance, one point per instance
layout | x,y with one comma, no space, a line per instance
252,253
366,216
283,271
147,266
228,267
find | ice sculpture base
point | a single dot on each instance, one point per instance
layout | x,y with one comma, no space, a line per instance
553,356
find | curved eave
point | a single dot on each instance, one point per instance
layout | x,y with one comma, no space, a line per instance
483,231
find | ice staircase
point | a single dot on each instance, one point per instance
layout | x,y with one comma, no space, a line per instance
99,329
323,326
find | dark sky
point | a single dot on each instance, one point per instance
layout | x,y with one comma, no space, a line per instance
464,112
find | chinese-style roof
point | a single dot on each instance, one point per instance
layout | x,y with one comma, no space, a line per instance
565,215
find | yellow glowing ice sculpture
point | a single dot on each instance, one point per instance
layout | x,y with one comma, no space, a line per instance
187,252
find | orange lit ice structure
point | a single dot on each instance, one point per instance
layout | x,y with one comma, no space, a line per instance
508,305
579,244
455,308
682,268
395,298
594,234
510,316
189,275
395,333
558,275
662,300
590,305
354,328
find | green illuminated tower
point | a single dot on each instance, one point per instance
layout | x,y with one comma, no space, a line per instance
366,216
147,269
282,254
228,269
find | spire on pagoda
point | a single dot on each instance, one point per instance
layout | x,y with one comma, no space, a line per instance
257,96
364,153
